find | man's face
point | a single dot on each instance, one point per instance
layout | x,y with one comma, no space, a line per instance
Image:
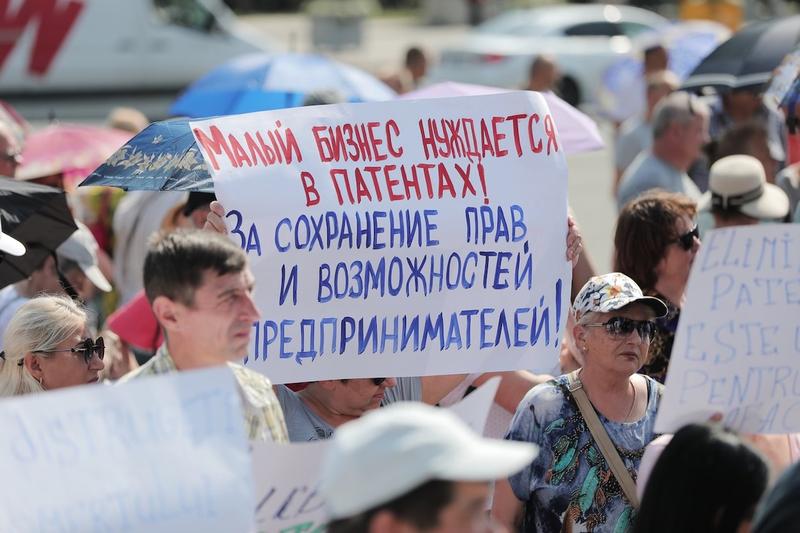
743,102
45,280
355,397
656,60
693,135
82,285
220,320
466,513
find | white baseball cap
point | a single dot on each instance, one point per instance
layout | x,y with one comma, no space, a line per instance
10,245
393,450
81,247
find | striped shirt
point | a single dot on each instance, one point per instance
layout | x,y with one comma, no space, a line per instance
263,417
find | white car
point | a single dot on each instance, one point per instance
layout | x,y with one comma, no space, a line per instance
584,40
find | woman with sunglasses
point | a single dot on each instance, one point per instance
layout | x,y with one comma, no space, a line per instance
47,347
656,243
570,486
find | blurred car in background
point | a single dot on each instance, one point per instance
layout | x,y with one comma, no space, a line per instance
584,40
116,45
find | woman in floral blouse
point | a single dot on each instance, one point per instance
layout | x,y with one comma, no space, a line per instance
570,481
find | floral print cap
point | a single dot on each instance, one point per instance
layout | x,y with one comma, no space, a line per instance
610,292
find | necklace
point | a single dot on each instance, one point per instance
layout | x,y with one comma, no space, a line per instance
633,402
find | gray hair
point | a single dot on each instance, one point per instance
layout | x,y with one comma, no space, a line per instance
590,317
677,108
42,323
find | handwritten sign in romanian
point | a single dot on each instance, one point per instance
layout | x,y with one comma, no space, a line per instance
401,238
286,476
159,455
737,348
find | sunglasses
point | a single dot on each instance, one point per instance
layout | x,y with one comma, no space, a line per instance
378,381
686,241
622,327
87,347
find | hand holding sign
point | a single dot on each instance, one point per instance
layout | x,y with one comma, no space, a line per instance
397,239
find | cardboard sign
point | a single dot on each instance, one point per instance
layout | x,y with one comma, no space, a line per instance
737,348
400,238
287,475
158,455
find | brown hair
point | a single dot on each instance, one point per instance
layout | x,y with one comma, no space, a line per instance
645,227
176,263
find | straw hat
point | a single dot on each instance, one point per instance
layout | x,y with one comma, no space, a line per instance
738,182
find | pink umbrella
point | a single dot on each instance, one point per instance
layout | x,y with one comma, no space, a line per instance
72,149
576,130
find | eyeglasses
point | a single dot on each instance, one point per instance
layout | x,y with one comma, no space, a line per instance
378,381
87,347
622,327
686,241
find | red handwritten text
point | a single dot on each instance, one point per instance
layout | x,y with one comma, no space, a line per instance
456,138
270,147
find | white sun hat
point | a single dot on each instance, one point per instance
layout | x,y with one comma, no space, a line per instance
738,182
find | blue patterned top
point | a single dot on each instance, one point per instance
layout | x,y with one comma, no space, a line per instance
570,473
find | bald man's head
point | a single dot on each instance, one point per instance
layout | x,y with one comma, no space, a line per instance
543,74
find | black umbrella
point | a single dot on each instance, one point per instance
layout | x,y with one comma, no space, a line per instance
37,216
747,59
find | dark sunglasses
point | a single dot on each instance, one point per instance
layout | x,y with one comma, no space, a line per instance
622,327
686,241
87,347
378,381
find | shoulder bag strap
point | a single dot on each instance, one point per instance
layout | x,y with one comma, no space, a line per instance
602,439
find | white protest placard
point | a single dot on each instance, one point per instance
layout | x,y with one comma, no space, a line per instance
398,238
474,409
783,78
158,455
286,477
737,347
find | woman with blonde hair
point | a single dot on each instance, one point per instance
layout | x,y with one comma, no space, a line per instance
47,346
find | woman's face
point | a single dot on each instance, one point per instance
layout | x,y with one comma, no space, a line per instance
65,368
674,267
620,354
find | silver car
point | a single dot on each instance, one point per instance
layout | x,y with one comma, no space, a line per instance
584,39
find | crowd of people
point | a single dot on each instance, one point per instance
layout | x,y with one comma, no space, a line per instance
162,289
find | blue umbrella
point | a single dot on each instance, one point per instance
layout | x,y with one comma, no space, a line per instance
162,157
258,82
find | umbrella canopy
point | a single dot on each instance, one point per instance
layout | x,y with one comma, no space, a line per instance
71,149
577,132
747,59
38,217
162,157
259,82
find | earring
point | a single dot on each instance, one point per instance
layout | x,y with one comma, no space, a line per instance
584,348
